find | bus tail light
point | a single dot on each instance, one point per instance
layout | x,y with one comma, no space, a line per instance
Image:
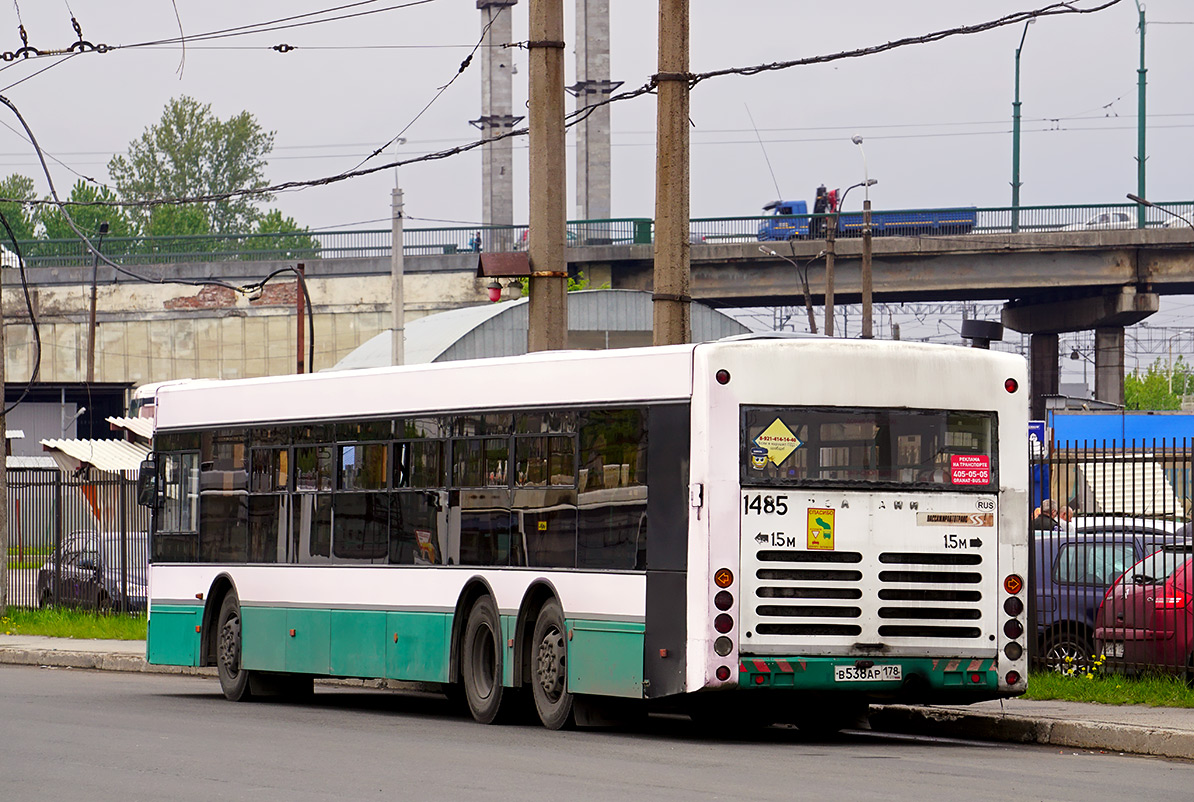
723,673
723,646
723,623
723,578
1012,678
1011,385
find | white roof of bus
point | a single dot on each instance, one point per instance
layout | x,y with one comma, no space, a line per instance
833,371
540,379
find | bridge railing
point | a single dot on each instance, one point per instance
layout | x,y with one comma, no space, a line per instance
375,243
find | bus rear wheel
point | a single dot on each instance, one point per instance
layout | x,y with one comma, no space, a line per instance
481,661
549,686
234,680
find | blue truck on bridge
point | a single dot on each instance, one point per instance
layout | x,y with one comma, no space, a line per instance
791,220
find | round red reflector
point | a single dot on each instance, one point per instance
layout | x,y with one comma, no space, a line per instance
723,376
1013,584
724,577
724,600
1013,677
1011,385
723,623
760,679
723,673
976,677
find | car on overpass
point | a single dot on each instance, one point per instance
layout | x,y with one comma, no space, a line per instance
1104,221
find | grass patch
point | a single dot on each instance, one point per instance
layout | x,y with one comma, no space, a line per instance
73,624
1111,689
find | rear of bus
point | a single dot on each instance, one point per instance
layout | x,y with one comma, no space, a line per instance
859,528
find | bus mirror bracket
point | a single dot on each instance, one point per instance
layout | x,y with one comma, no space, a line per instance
147,484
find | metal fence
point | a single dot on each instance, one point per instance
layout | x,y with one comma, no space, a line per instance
376,243
1112,564
76,542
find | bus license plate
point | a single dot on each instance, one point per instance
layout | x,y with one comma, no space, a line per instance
873,674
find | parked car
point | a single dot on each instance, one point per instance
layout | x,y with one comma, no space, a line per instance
86,572
1105,220
1146,620
1074,569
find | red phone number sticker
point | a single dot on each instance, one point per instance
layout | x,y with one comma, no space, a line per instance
965,469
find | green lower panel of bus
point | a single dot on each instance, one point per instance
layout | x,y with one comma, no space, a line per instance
347,643
174,634
846,674
604,657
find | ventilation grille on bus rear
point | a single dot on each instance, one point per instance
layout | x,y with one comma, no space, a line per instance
921,595
837,581
921,580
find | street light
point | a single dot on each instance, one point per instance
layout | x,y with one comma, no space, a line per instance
803,273
1016,137
1151,205
867,332
103,229
830,236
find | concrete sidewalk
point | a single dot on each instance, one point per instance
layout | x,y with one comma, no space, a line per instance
1161,731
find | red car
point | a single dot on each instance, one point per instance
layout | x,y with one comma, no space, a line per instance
1146,621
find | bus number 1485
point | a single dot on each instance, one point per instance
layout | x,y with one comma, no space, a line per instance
765,505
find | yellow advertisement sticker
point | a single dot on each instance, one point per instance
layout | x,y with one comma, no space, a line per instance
820,528
779,442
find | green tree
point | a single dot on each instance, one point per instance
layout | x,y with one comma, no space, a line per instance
1159,387
286,240
21,215
192,152
87,218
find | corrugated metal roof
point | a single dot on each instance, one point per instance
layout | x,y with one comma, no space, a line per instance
501,329
17,462
104,455
142,427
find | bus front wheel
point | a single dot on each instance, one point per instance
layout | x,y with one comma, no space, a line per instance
481,661
553,702
234,680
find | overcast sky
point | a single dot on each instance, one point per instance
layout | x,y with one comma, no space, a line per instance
936,118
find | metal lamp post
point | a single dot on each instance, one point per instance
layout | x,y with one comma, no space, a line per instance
1146,202
1016,138
103,229
803,274
867,330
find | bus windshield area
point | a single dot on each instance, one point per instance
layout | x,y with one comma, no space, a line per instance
834,446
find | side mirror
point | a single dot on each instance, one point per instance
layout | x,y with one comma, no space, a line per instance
147,484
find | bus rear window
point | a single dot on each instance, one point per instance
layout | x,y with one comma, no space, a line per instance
822,446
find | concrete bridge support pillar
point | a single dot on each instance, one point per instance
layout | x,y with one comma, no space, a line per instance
1043,371
1107,313
1109,365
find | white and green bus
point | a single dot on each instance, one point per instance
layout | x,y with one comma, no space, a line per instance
783,528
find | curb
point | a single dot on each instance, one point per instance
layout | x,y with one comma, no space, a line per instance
102,661
958,723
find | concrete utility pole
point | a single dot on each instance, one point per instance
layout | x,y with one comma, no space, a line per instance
497,118
672,266
397,270
1141,125
592,87
548,304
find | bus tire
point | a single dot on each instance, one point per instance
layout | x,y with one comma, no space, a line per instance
481,661
234,680
549,685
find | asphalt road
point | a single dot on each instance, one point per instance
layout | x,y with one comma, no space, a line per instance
97,736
